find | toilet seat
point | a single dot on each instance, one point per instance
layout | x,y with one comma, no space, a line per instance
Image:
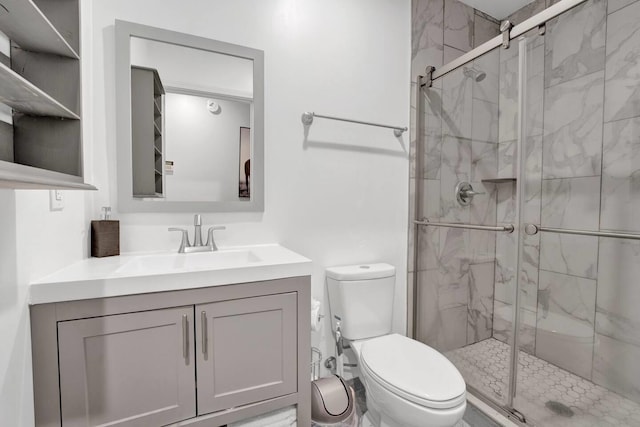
413,371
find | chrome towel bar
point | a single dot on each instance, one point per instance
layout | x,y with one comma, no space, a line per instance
504,228
532,229
307,119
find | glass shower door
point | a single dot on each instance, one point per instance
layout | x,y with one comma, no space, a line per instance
468,124
579,246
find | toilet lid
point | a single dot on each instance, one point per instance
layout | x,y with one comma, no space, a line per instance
413,371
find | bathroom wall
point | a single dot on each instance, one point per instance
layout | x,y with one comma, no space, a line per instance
203,146
34,243
582,143
456,267
582,127
337,194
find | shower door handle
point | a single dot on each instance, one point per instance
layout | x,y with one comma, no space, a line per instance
531,229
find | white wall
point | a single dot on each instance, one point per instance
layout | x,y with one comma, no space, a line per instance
337,195
35,242
204,147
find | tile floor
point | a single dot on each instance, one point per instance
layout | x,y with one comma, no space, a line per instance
484,366
472,416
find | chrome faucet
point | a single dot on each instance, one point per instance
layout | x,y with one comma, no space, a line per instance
186,246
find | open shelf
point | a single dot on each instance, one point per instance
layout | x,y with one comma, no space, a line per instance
40,81
13,175
22,95
28,26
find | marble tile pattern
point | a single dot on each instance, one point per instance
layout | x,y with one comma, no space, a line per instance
569,254
480,308
617,313
575,43
410,227
583,121
620,208
484,29
614,5
503,319
534,102
451,53
622,85
427,35
485,366
483,208
566,308
507,159
459,113
572,145
615,366
527,11
533,179
455,167
488,89
458,25
508,115
457,104
484,160
484,121
571,203
432,137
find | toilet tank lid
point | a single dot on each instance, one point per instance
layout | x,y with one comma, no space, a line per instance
361,271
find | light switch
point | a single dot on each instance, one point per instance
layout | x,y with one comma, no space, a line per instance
56,200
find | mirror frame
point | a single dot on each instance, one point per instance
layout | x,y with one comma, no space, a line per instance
126,202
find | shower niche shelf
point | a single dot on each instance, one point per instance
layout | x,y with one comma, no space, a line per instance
41,139
498,180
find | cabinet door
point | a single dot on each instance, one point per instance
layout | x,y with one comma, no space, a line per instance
246,351
128,370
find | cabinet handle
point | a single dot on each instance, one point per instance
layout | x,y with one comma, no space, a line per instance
203,320
185,336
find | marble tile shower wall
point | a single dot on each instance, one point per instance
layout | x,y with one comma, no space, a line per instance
456,267
582,167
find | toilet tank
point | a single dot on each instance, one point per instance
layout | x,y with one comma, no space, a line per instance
361,296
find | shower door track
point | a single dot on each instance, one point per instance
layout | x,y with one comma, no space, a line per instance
520,29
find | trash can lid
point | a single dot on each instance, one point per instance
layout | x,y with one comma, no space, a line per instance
331,400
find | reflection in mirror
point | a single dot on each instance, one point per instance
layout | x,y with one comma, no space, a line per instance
190,116
202,135
198,119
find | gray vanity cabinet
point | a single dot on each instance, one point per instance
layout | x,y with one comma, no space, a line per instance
247,351
133,369
203,357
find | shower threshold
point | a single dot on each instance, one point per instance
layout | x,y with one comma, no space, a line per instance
547,395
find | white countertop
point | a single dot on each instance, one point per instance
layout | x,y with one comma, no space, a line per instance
156,272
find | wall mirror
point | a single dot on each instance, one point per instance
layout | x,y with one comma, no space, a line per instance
190,119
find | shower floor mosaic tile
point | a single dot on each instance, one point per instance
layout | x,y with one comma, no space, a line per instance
547,395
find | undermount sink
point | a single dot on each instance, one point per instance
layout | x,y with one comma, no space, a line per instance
166,263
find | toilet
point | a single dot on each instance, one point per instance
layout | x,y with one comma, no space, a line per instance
408,384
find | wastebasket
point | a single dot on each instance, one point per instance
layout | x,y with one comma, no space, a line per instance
332,403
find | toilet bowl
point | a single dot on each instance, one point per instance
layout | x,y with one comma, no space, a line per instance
408,384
